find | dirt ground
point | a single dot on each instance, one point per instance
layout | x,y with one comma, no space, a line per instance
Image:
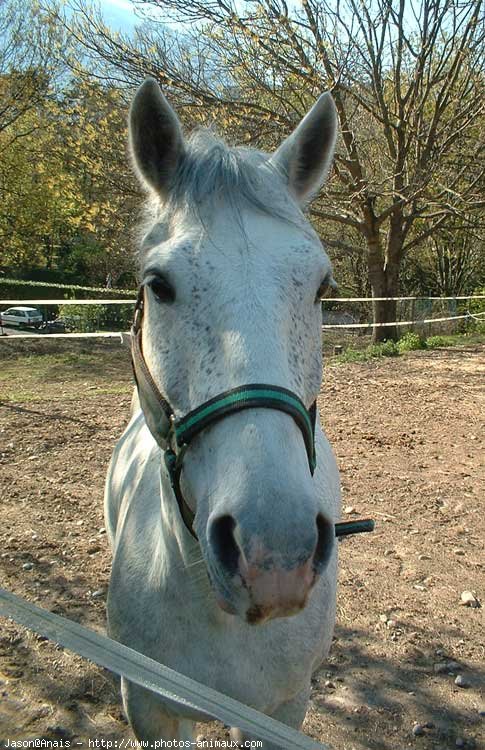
408,437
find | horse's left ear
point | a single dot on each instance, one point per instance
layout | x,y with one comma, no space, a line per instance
306,155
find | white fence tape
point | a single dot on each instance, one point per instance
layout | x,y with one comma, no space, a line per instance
41,302
120,334
94,335
113,290
396,299
402,322
148,673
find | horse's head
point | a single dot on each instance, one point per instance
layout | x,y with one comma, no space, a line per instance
233,276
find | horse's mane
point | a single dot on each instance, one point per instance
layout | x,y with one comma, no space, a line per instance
212,168
213,172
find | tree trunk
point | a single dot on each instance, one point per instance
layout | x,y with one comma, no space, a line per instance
384,280
384,284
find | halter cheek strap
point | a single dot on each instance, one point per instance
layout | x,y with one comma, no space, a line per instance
155,408
174,435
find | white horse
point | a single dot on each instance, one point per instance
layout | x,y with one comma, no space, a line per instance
225,562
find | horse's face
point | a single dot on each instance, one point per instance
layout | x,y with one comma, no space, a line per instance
232,298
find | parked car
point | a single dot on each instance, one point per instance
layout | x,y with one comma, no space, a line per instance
22,316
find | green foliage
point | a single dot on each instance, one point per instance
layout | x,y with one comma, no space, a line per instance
386,349
351,355
83,318
91,318
68,198
118,317
410,342
436,342
460,339
477,308
21,289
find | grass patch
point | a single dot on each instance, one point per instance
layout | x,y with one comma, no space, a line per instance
384,349
472,338
350,355
409,342
436,342
39,371
73,375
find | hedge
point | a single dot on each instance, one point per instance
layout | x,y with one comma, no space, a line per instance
20,289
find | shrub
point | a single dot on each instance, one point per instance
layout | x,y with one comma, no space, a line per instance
386,349
82,318
477,308
91,318
410,342
21,289
351,355
434,342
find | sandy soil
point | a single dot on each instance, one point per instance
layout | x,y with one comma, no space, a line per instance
407,434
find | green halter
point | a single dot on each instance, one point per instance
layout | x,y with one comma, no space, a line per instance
248,397
174,435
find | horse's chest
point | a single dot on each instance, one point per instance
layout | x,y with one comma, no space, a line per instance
252,667
262,666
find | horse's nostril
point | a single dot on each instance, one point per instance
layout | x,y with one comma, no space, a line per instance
325,542
224,545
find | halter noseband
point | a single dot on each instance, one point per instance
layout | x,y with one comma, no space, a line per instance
174,435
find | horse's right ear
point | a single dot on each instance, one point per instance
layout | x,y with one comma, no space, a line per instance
156,139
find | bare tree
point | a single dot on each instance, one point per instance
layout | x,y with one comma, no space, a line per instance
407,77
449,263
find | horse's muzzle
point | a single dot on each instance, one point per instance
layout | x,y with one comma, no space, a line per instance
262,584
277,592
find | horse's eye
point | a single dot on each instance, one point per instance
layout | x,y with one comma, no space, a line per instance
325,289
162,290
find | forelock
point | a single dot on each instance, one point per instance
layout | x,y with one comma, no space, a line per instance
213,173
211,169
